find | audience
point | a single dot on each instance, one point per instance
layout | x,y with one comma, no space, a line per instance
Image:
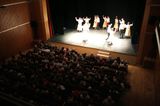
49,75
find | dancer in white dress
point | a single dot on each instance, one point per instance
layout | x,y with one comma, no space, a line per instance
79,26
86,25
128,30
109,31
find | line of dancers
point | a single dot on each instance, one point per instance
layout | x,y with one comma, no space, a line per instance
81,27
119,25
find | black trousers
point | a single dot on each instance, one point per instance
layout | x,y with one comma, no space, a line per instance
122,31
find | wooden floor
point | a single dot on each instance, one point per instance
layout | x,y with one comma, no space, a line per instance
144,88
145,83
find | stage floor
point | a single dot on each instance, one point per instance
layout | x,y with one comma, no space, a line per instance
96,39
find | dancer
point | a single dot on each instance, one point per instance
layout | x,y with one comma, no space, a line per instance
104,22
96,22
122,27
86,25
108,20
116,24
128,30
109,31
79,26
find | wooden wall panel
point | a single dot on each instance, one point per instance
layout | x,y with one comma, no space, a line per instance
15,29
16,40
36,18
157,81
39,17
148,46
156,1
155,11
3,2
14,15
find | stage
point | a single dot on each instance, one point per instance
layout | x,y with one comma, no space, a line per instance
96,39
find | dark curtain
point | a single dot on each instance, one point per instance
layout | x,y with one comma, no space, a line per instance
65,11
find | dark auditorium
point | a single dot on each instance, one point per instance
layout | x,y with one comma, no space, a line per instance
79,53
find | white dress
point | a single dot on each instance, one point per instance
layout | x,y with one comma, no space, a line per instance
79,26
86,25
109,30
128,30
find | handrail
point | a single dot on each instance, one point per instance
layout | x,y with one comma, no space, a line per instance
12,4
14,100
9,29
157,37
